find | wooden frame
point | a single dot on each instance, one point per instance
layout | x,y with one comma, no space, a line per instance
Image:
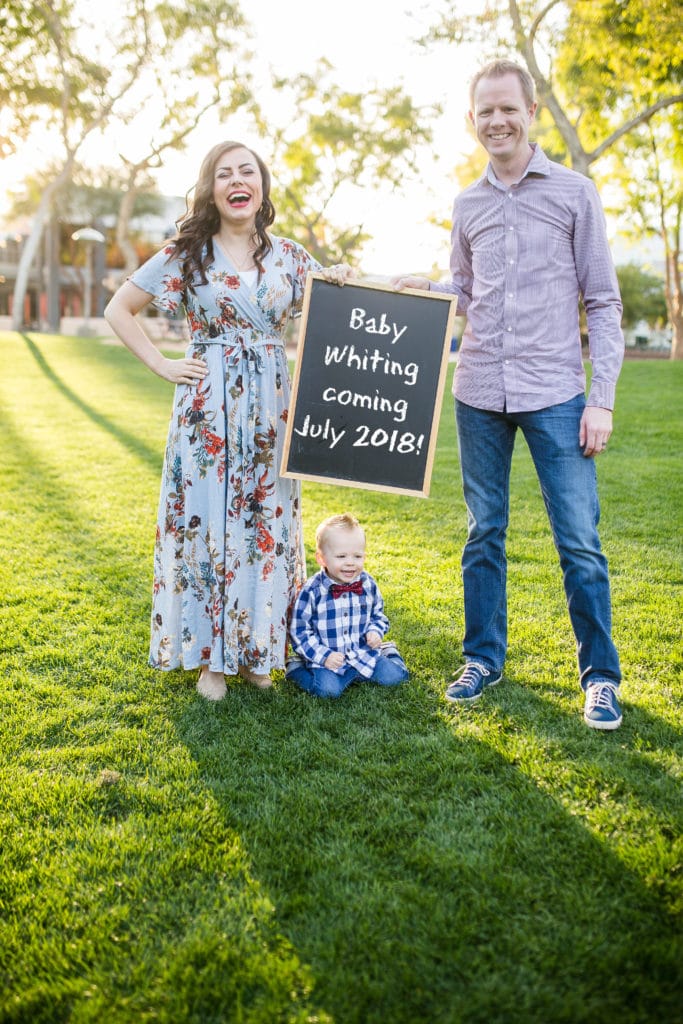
368,386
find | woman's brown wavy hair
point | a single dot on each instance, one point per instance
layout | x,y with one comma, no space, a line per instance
193,243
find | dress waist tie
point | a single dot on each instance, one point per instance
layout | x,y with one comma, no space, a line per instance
247,347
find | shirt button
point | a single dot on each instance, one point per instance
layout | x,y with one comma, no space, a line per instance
509,329
511,295
512,261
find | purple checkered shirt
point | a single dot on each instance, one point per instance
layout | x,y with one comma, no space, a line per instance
521,257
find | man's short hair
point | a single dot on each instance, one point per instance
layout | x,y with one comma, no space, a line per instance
497,68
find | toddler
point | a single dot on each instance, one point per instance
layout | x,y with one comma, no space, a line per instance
338,619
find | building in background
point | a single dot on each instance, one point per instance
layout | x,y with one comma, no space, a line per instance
57,280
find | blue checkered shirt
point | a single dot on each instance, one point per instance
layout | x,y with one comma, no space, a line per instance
321,624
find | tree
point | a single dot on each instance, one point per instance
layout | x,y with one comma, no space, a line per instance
90,196
52,75
621,55
336,142
642,294
45,77
651,189
573,79
210,33
607,72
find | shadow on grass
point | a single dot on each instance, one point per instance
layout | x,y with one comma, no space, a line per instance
421,875
134,445
194,940
626,773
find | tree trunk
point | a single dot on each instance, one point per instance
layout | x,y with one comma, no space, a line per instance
677,338
52,282
32,243
673,284
28,253
674,302
580,159
130,256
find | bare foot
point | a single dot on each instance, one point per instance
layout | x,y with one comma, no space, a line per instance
211,685
264,682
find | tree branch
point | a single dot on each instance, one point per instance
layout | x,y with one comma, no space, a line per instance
641,118
579,157
536,23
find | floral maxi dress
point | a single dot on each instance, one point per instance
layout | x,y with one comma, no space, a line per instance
229,557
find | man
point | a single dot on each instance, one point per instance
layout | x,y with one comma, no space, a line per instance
528,240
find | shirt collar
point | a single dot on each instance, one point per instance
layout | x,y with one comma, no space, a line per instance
539,164
328,582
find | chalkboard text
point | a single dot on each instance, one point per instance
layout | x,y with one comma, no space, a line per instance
358,321
367,389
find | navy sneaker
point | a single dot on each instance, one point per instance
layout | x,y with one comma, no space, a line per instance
601,710
470,684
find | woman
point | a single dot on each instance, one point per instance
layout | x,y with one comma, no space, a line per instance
229,556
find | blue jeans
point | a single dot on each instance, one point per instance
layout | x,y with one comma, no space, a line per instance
569,486
322,682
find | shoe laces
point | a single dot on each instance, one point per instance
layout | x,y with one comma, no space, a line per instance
471,673
600,695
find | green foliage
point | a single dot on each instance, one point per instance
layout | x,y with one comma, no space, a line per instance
179,19
642,295
616,58
609,76
211,34
55,76
23,33
69,79
337,140
46,75
275,859
89,196
605,62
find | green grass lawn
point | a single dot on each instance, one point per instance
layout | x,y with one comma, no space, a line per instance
382,859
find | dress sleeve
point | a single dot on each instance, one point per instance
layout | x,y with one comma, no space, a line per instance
160,276
302,262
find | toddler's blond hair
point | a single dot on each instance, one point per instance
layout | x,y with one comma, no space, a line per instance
343,521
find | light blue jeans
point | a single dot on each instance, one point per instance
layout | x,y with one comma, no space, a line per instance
569,486
322,682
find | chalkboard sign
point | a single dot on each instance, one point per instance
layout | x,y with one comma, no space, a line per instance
368,383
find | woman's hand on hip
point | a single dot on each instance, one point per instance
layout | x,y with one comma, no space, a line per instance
183,371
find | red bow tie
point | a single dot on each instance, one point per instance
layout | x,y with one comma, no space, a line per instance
337,589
